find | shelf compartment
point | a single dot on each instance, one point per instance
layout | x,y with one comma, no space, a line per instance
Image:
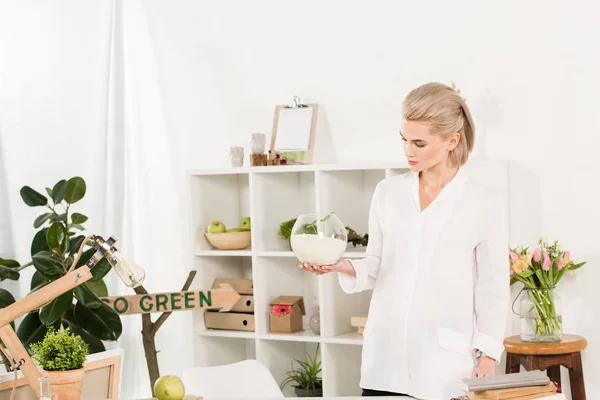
222,198
277,198
340,307
278,356
348,193
280,276
341,370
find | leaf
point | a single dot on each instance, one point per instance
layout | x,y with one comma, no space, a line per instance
39,221
6,299
59,191
33,198
78,227
32,330
75,190
75,244
85,295
52,312
68,320
49,191
78,218
39,242
59,217
100,270
47,265
9,263
56,235
98,288
102,322
577,266
37,279
527,273
8,273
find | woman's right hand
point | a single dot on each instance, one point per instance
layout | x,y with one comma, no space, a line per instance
342,265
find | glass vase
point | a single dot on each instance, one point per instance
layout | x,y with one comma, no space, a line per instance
319,238
540,315
315,323
258,143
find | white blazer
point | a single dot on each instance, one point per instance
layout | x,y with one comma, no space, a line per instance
440,281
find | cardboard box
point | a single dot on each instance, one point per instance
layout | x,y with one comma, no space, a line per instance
244,305
287,317
230,321
242,286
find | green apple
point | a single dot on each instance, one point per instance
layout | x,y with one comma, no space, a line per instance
216,227
169,387
245,224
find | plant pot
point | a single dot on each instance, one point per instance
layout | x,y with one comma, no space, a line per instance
67,385
302,392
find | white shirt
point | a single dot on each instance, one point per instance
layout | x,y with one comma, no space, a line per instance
440,281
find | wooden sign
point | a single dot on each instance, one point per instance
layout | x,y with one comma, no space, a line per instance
223,299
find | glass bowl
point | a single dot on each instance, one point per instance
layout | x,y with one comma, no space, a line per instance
319,238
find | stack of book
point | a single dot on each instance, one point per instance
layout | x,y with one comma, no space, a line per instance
520,386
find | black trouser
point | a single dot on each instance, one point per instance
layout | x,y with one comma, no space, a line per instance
371,392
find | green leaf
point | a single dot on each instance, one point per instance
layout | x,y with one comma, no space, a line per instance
6,299
51,312
47,265
98,288
9,263
39,221
59,191
577,266
59,217
95,344
75,244
75,190
85,295
8,273
33,198
78,227
49,191
527,273
100,270
78,218
32,330
39,242
37,279
65,244
56,236
102,322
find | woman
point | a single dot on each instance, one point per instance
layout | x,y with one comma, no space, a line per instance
436,261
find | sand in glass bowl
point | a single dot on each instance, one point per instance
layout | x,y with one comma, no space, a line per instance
319,238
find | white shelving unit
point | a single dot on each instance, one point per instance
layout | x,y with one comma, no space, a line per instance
269,196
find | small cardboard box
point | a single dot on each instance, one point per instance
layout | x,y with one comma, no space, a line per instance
242,286
287,318
229,321
244,305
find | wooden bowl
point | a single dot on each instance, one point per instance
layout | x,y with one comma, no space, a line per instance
229,240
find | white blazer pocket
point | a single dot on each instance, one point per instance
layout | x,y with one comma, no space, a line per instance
453,340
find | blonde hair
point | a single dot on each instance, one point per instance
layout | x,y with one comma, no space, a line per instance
446,111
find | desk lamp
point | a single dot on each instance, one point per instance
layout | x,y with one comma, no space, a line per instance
131,275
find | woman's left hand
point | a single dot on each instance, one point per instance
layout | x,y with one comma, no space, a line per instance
485,367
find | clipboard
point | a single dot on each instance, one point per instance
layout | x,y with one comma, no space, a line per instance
294,127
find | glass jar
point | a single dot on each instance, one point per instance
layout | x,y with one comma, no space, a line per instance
319,238
257,143
540,315
236,156
315,323
44,381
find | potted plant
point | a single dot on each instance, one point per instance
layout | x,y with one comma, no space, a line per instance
61,355
306,377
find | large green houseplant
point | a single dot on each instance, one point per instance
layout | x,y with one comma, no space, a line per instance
53,249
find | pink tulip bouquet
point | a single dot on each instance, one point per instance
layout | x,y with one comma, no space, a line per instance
539,270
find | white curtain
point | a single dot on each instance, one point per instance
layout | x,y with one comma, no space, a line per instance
88,103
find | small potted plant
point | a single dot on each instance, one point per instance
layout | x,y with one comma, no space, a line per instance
61,355
306,377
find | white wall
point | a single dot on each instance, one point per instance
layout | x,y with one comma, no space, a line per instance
528,70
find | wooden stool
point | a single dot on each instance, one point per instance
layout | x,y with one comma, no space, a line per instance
549,356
